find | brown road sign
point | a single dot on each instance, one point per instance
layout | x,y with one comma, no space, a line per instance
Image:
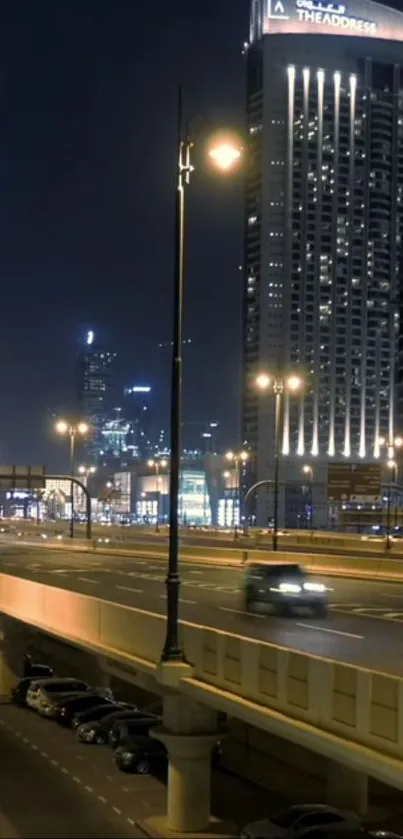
354,482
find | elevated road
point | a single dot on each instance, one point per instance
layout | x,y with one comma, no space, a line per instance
364,626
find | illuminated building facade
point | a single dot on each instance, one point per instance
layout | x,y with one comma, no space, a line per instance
324,224
95,392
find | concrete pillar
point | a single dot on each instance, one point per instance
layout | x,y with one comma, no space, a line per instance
12,648
346,788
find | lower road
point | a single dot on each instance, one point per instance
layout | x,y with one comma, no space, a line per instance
364,625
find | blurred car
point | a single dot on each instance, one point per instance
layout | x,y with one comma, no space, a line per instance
360,833
282,588
123,730
293,823
141,754
42,691
96,732
95,714
19,692
67,707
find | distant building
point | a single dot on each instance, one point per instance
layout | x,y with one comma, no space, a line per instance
137,410
95,369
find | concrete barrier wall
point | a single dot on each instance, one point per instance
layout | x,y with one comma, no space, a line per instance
356,704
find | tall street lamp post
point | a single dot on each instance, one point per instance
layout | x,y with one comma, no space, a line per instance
307,470
73,430
278,385
237,458
224,156
157,465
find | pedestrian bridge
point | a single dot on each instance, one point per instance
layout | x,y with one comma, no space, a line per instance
352,716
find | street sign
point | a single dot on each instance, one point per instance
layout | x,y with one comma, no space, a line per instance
22,477
354,482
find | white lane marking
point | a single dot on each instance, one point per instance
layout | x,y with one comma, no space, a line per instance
188,602
162,596
393,616
117,811
77,780
131,821
240,612
196,572
133,590
65,771
88,789
54,763
88,580
101,798
394,596
331,631
6,562
44,754
35,748
25,740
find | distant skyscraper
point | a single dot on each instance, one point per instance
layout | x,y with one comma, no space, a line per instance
324,226
137,410
95,369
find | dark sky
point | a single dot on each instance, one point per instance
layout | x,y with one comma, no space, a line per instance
87,98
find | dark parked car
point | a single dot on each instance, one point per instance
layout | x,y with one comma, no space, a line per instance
97,732
141,754
125,729
19,693
282,588
68,707
144,754
98,713
361,833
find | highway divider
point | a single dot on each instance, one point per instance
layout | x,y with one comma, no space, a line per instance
354,567
346,713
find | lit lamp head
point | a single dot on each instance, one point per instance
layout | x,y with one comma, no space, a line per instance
398,442
82,428
307,470
150,463
391,464
62,427
230,456
243,456
293,383
225,154
82,470
163,463
381,441
263,381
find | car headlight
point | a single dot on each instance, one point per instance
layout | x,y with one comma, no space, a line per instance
127,756
314,587
289,588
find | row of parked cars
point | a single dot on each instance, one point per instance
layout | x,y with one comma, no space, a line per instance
100,720
96,717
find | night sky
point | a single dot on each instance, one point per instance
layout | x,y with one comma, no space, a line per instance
88,98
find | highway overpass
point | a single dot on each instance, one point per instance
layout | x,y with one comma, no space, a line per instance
247,667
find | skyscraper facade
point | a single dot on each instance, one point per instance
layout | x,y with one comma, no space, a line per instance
323,229
95,382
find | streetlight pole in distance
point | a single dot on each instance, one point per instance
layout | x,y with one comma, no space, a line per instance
237,458
224,157
157,464
391,446
279,385
307,470
73,431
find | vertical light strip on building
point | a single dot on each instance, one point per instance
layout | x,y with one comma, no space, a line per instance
287,282
348,375
377,426
335,201
320,75
393,291
302,325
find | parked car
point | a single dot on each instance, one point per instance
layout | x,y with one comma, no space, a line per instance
282,588
294,821
42,692
362,833
69,706
95,714
19,692
141,754
144,754
97,732
123,730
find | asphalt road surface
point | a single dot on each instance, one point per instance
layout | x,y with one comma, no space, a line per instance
364,627
53,786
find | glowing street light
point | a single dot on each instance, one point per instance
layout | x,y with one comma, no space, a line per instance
224,159
391,445
73,430
290,383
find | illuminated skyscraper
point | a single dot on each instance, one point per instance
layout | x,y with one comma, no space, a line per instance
324,222
95,392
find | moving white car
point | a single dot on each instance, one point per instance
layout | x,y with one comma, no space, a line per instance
42,691
294,821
